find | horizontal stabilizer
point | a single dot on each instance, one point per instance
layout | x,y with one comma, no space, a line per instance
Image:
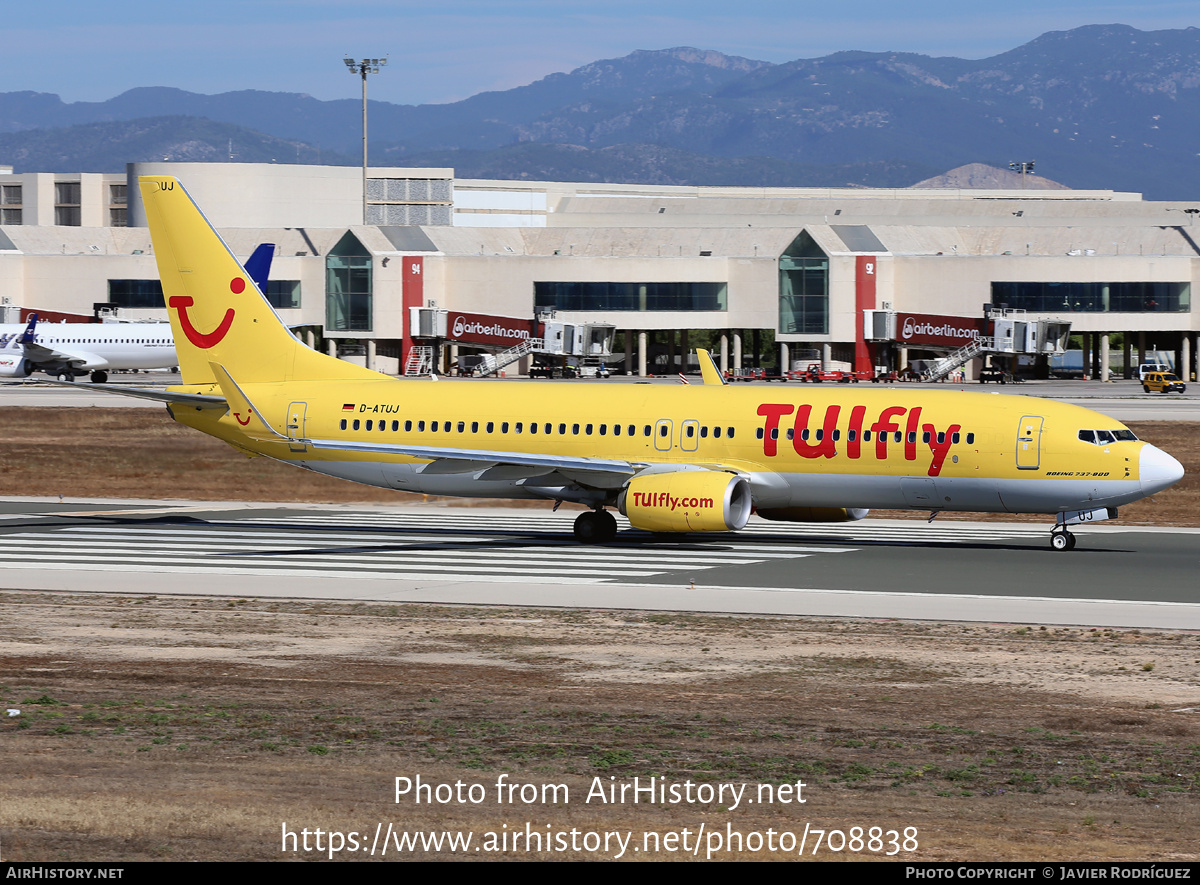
199,400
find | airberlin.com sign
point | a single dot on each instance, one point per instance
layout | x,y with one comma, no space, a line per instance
483,329
924,328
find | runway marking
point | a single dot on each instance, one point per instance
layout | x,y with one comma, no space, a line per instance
948,532
533,548
231,548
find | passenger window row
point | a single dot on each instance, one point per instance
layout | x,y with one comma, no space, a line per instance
532,427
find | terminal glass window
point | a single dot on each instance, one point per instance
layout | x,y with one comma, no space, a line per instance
630,296
1094,297
283,294
136,293
10,199
348,286
804,288
118,210
66,203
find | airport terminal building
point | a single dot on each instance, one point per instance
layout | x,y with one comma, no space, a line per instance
871,279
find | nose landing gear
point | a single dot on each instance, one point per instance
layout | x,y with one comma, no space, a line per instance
1061,539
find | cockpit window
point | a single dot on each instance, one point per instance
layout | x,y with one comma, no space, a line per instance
1104,437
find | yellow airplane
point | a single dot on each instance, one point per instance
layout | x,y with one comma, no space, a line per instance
695,458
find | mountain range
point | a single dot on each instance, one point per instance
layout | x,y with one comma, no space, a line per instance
1102,106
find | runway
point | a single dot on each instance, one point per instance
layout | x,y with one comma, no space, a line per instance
875,568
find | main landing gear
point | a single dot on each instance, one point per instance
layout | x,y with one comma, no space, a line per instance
595,527
1061,539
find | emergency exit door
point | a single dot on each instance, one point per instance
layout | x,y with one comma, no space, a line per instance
1029,443
295,426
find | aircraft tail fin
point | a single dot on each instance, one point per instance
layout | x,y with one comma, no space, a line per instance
217,312
258,265
27,337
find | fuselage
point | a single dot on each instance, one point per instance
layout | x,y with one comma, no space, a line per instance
87,347
844,447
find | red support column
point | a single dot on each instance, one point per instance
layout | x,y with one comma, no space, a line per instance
864,299
412,295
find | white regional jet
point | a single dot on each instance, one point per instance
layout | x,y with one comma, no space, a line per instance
71,349
68,350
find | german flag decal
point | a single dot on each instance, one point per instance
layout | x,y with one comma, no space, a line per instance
348,407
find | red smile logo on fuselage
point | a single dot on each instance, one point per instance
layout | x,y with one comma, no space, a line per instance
205,340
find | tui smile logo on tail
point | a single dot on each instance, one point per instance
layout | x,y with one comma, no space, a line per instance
205,340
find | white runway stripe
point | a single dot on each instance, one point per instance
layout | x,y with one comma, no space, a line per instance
953,532
533,548
133,538
221,548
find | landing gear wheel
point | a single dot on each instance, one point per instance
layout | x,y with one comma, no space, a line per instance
1061,539
595,527
99,377
608,524
65,376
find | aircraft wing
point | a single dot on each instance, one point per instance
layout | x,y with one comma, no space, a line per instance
41,354
199,400
598,472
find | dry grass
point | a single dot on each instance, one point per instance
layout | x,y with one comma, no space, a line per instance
142,453
136,741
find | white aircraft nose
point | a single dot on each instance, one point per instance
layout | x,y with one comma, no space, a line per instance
1157,470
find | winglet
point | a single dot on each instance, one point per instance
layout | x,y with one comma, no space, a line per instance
708,369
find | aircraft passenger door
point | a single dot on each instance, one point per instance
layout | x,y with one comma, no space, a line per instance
295,426
689,435
664,431
1029,442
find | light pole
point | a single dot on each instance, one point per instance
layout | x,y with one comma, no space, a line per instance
364,67
1023,168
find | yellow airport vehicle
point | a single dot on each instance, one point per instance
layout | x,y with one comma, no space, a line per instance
1162,382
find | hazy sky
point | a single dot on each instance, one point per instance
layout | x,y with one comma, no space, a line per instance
445,51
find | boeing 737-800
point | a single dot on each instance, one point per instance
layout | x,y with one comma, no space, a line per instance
695,458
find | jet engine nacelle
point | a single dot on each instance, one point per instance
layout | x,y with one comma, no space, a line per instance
687,501
15,366
813,514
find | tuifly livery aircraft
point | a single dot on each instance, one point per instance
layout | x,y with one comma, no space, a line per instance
694,458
